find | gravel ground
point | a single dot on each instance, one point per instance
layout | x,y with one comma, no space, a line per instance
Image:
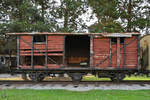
80,87
9,76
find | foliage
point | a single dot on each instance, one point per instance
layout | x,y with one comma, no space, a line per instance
120,15
64,16
24,16
133,14
69,12
107,14
109,26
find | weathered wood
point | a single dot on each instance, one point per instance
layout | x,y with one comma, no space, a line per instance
102,54
46,52
124,55
64,52
110,53
138,54
32,54
64,34
91,51
18,51
118,53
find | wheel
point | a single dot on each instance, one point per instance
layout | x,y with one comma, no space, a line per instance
76,77
113,79
36,77
117,77
24,76
61,75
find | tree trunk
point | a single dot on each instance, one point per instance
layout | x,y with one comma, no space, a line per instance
129,16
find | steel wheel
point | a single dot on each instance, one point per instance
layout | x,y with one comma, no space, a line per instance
36,77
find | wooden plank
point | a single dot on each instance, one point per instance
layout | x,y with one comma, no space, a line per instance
64,52
101,52
18,51
25,42
55,43
91,51
110,53
118,52
32,54
46,53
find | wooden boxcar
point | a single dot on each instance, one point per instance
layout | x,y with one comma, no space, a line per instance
104,54
145,52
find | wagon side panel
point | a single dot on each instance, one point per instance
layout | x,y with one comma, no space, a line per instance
48,54
25,42
114,56
131,52
55,43
101,52
55,51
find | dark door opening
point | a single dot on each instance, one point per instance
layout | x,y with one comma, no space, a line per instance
77,51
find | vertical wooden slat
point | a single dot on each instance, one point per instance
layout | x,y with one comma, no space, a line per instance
46,52
18,51
118,53
138,50
110,53
91,51
64,52
32,54
124,54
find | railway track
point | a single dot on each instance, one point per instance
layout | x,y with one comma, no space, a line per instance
70,82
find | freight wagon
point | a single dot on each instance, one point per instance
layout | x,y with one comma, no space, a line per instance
113,55
145,52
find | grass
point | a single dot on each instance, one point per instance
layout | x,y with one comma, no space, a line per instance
27,94
93,78
74,95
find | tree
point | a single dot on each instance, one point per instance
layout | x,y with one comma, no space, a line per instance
67,15
107,14
24,16
120,15
133,14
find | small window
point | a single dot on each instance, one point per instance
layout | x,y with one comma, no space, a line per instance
122,40
39,38
114,40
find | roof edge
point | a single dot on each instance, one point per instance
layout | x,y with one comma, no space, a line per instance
99,34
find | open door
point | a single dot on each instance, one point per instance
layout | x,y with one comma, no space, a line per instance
77,51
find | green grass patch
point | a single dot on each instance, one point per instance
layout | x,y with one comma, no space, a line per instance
74,95
137,78
93,78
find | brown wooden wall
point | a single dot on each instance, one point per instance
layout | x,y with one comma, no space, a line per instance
125,53
55,44
105,54
25,42
101,52
131,52
54,49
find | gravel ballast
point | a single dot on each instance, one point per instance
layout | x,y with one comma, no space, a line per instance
80,87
